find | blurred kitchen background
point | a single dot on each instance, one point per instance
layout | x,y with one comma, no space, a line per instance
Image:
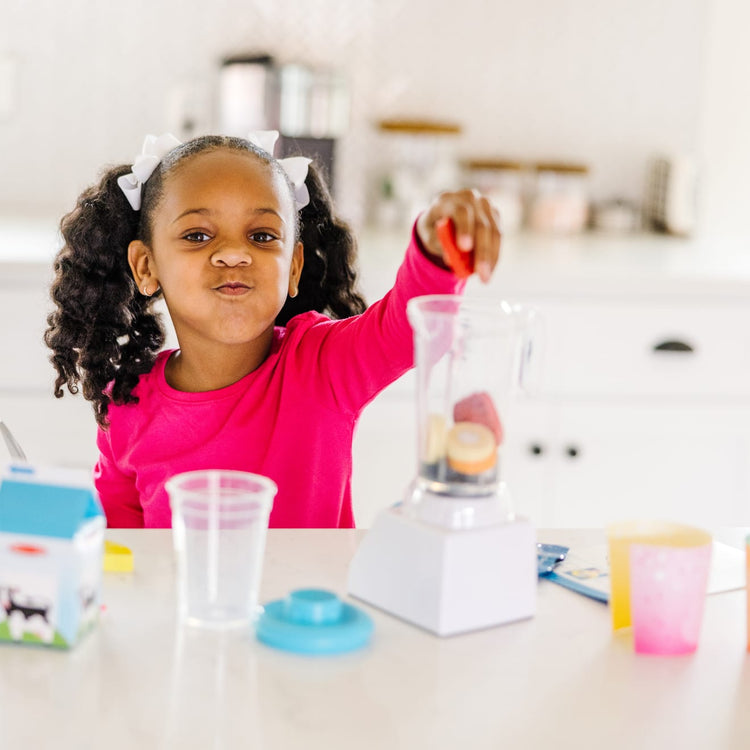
411,93
613,134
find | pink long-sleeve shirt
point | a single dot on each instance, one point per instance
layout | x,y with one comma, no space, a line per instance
292,419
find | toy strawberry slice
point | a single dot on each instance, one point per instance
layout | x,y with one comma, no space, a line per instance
461,262
478,408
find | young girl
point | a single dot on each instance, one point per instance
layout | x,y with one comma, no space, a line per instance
253,265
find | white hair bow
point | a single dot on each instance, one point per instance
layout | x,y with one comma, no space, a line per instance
154,150
294,166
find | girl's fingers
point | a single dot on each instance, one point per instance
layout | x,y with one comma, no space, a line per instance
484,256
463,214
477,228
487,240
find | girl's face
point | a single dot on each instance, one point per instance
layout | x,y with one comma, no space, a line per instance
222,248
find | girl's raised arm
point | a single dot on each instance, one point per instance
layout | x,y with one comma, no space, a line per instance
360,356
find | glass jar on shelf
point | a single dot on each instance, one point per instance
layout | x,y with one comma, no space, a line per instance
502,182
418,161
559,199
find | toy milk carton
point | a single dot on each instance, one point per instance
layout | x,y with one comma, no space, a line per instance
51,547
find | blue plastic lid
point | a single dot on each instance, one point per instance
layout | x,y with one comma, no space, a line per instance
313,621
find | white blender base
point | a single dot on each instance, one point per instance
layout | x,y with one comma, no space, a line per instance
445,580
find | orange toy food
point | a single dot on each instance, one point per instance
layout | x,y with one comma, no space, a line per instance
462,263
471,448
478,408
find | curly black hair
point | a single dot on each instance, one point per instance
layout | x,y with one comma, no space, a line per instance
104,334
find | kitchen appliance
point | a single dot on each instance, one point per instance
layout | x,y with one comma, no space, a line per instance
248,95
308,106
453,556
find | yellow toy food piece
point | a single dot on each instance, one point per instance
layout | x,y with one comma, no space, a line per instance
435,441
117,558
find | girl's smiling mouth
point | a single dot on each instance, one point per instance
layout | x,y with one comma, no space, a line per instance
233,288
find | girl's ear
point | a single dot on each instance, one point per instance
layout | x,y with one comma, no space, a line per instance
142,267
295,272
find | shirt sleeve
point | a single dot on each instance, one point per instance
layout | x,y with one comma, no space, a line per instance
117,490
359,356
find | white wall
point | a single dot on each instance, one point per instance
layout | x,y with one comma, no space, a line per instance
609,82
725,121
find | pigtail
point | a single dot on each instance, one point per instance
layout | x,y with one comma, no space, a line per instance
102,330
329,280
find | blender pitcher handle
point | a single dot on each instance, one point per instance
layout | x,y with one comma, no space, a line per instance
532,350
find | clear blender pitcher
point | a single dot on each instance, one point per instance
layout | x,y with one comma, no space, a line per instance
472,357
421,560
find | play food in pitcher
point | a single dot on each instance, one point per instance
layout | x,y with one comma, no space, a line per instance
472,359
467,450
480,409
471,449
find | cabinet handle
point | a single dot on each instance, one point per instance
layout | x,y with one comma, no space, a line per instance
673,345
535,449
572,451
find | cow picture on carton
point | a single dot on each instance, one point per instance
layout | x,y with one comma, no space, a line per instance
25,613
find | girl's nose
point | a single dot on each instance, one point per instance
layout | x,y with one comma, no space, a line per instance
231,255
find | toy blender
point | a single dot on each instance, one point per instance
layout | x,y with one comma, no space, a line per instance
453,556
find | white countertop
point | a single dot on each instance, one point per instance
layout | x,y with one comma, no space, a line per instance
559,680
591,263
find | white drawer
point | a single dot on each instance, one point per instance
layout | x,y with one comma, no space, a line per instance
592,348
24,363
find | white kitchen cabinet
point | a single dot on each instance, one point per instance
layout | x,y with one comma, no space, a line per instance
58,432
384,453
641,405
621,428
615,428
659,345
25,358
529,458
591,463
51,431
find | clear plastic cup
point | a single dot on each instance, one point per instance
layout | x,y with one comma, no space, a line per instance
219,522
667,595
680,552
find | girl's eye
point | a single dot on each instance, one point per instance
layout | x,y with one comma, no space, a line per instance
262,237
196,237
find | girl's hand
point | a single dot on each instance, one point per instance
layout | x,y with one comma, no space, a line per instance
477,224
